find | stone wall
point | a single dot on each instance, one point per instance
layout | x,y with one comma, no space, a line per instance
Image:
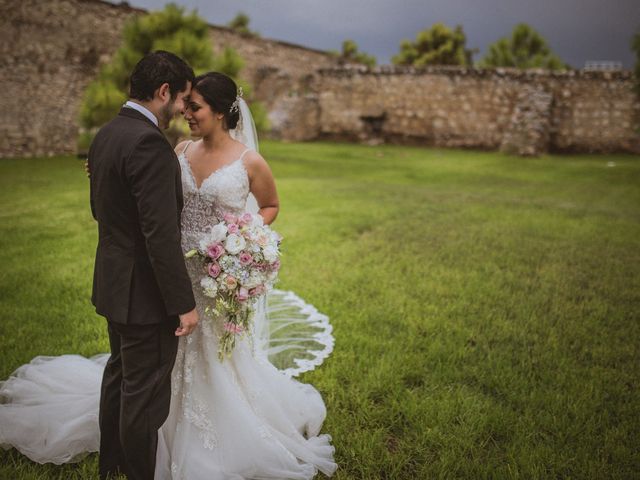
524,112
260,54
51,49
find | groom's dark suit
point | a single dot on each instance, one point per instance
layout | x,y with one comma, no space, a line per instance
140,285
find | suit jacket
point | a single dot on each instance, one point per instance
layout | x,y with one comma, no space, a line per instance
136,196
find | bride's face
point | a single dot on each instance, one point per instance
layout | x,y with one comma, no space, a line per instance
202,120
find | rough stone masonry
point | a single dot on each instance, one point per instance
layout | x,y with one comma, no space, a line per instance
51,49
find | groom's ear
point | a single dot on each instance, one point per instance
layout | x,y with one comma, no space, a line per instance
164,92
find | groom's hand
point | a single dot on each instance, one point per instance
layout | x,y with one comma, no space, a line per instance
188,322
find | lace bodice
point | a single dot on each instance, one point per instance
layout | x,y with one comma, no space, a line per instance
225,190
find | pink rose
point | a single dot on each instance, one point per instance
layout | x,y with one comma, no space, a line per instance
275,266
230,218
243,294
232,228
259,290
214,269
245,219
230,282
215,251
245,258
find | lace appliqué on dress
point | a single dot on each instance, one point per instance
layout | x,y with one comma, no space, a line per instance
197,413
225,190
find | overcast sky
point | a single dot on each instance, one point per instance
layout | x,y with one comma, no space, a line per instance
577,30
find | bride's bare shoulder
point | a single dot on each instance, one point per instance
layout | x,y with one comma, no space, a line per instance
254,158
255,163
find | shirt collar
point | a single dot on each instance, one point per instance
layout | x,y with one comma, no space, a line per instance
145,111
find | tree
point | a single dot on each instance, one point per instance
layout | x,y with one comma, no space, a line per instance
170,29
526,48
240,24
439,45
186,35
635,46
351,54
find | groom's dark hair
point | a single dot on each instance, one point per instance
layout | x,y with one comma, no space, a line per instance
157,68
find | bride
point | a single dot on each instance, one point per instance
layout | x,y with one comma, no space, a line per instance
241,418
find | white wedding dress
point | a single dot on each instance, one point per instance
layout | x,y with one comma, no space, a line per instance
243,418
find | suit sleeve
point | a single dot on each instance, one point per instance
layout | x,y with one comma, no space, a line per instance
151,171
92,202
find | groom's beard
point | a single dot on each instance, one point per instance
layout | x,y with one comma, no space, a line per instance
166,115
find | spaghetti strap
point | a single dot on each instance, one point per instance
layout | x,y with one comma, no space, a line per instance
242,155
184,150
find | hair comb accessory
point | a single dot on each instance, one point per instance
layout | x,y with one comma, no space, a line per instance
234,105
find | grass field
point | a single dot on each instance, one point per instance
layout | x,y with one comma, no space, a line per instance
486,308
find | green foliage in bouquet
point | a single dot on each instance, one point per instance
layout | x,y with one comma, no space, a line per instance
526,48
439,45
237,317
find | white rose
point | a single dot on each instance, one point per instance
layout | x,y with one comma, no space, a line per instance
210,287
252,232
216,234
255,279
257,220
234,244
274,236
270,253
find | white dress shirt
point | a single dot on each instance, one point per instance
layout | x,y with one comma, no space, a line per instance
145,111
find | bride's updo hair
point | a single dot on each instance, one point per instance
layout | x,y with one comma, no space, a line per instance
219,91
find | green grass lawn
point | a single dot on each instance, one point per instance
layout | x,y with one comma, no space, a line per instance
485,307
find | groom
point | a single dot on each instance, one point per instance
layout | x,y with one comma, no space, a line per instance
140,280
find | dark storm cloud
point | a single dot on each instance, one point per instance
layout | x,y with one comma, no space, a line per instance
577,30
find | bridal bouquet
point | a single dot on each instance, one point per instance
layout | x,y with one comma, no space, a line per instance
241,262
